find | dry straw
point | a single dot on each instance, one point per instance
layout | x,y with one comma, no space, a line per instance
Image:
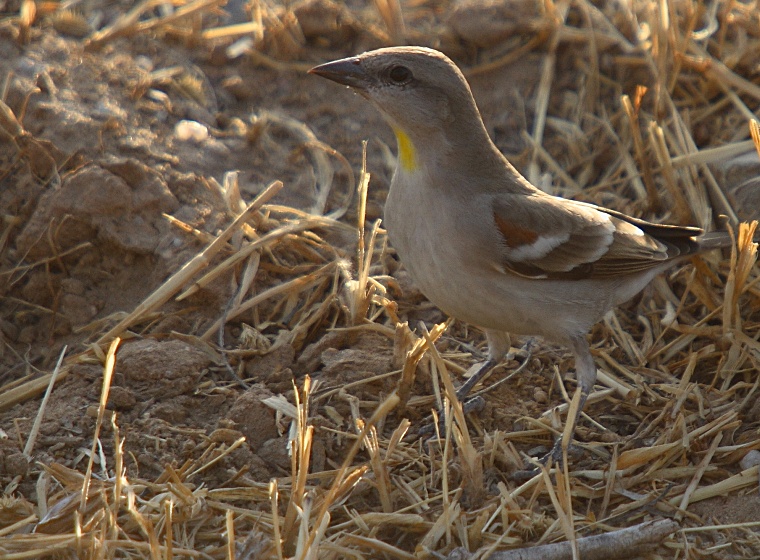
680,368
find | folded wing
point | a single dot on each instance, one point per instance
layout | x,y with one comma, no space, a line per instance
548,237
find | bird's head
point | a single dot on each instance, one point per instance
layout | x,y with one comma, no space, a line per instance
421,92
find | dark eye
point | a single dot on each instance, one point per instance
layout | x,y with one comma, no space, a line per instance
400,74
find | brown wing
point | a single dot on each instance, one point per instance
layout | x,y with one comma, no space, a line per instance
549,237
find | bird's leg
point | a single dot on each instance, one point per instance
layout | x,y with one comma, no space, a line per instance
476,373
585,371
498,346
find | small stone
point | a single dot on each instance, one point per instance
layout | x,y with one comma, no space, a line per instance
751,459
16,465
191,131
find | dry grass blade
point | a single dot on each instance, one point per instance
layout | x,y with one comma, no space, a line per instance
698,475
264,242
38,420
380,470
27,15
414,350
743,259
564,516
346,477
178,280
107,377
360,291
296,285
26,389
754,130
130,24
744,479
683,209
723,74
470,460
632,112
300,455
711,155
249,27
9,122
560,10
390,11
306,138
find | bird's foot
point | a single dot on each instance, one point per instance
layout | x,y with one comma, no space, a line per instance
554,457
475,374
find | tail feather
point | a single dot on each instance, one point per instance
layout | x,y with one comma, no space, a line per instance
714,240
718,240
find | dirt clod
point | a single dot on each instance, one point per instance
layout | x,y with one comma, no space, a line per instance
254,419
160,369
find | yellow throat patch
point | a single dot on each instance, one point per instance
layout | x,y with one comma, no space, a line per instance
407,155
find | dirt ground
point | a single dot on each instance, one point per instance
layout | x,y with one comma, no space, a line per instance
94,157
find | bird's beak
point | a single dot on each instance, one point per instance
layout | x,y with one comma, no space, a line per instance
346,71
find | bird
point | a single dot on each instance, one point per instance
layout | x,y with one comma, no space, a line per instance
479,240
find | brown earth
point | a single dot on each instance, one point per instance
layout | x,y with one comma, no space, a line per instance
92,161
